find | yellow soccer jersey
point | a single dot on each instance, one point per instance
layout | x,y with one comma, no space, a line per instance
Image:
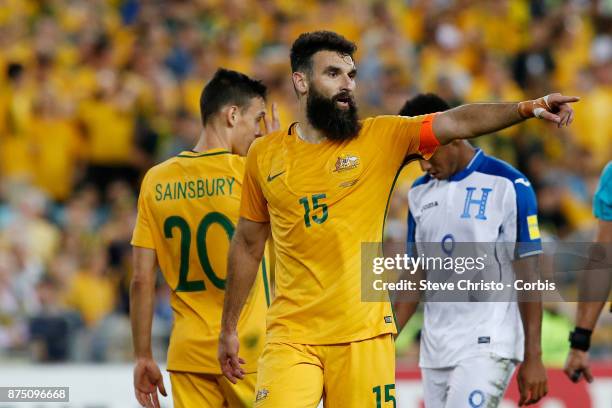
187,211
323,200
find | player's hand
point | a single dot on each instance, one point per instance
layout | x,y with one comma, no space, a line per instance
272,124
147,380
228,357
554,108
532,381
577,365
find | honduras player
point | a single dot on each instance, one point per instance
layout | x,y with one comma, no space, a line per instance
469,349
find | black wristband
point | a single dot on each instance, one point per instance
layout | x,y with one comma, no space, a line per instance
580,339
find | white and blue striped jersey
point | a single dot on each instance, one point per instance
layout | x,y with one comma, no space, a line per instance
488,202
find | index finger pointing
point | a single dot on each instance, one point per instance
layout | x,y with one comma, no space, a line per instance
567,99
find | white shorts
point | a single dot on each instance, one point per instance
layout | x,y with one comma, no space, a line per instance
477,382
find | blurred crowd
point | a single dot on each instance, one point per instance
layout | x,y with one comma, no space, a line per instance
93,93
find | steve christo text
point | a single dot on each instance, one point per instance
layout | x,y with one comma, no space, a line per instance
463,285
458,265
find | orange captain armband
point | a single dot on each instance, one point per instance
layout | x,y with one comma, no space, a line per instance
428,142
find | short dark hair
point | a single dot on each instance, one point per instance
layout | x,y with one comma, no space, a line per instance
228,87
307,44
422,104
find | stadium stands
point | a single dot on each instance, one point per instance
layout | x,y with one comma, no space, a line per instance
93,93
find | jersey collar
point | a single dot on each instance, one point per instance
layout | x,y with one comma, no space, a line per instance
210,152
290,131
472,166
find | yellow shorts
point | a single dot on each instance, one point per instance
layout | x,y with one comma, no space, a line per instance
211,391
357,374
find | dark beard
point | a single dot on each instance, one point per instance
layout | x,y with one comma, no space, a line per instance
335,123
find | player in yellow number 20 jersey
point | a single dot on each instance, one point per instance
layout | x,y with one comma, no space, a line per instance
187,212
323,186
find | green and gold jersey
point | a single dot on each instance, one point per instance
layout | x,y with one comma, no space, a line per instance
187,212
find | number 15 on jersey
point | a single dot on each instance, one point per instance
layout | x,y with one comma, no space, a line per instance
317,202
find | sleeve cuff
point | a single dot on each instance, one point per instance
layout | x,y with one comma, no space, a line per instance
250,217
142,243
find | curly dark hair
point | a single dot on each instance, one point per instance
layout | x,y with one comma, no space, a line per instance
307,44
423,104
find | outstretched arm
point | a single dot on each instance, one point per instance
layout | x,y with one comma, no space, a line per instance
468,121
246,251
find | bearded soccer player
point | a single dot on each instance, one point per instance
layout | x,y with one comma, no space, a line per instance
187,212
470,348
323,185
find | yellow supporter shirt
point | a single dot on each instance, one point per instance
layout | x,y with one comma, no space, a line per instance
187,211
592,128
92,296
16,115
323,201
110,132
57,146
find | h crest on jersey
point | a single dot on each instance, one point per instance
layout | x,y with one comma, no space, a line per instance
480,203
346,162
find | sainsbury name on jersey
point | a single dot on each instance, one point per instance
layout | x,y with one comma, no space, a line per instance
192,189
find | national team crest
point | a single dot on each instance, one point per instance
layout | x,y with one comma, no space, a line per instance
346,162
261,394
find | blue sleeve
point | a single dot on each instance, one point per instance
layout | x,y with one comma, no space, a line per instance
528,238
602,201
410,239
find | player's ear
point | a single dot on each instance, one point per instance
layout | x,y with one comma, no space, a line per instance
231,115
300,82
